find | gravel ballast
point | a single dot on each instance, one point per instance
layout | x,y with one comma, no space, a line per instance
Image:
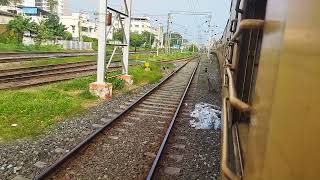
126,148
27,157
193,152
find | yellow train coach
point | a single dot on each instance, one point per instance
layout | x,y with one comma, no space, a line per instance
270,66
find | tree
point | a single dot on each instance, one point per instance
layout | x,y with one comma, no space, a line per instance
67,36
57,29
149,38
176,39
52,4
118,35
193,48
43,33
50,28
136,40
20,25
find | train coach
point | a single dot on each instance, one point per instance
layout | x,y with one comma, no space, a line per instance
269,59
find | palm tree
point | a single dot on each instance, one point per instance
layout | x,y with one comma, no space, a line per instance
52,4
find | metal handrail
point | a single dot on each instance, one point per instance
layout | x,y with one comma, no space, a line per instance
225,149
247,24
234,100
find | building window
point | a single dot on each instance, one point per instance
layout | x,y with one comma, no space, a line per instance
137,26
84,29
73,28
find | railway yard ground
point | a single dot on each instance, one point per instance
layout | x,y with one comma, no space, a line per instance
44,134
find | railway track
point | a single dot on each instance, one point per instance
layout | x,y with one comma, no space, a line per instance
24,77
127,144
20,57
37,75
191,152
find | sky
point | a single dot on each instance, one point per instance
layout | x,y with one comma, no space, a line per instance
194,28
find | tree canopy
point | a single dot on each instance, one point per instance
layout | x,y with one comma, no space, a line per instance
137,40
118,35
148,38
52,4
21,24
48,28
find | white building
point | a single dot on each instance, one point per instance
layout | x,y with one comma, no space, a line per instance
138,25
43,4
80,24
5,17
29,3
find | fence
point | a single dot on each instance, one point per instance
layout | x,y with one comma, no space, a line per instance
66,44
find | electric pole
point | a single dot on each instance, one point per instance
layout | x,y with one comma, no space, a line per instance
158,39
181,43
168,34
127,22
102,41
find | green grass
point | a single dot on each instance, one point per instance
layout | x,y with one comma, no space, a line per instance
47,61
161,57
117,58
60,60
8,47
140,76
34,110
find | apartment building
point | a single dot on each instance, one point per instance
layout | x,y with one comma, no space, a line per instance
43,4
81,24
138,25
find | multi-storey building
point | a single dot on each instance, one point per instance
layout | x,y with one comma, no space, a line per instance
138,25
43,4
80,24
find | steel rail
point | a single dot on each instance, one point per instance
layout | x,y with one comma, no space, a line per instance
55,72
76,149
34,53
18,57
165,140
82,73
35,69
41,73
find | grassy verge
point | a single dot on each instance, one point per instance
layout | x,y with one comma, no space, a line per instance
4,47
161,57
30,112
117,58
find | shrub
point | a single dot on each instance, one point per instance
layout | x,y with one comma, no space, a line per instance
117,83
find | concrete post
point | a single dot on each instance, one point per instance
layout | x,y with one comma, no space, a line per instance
100,88
127,23
102,41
